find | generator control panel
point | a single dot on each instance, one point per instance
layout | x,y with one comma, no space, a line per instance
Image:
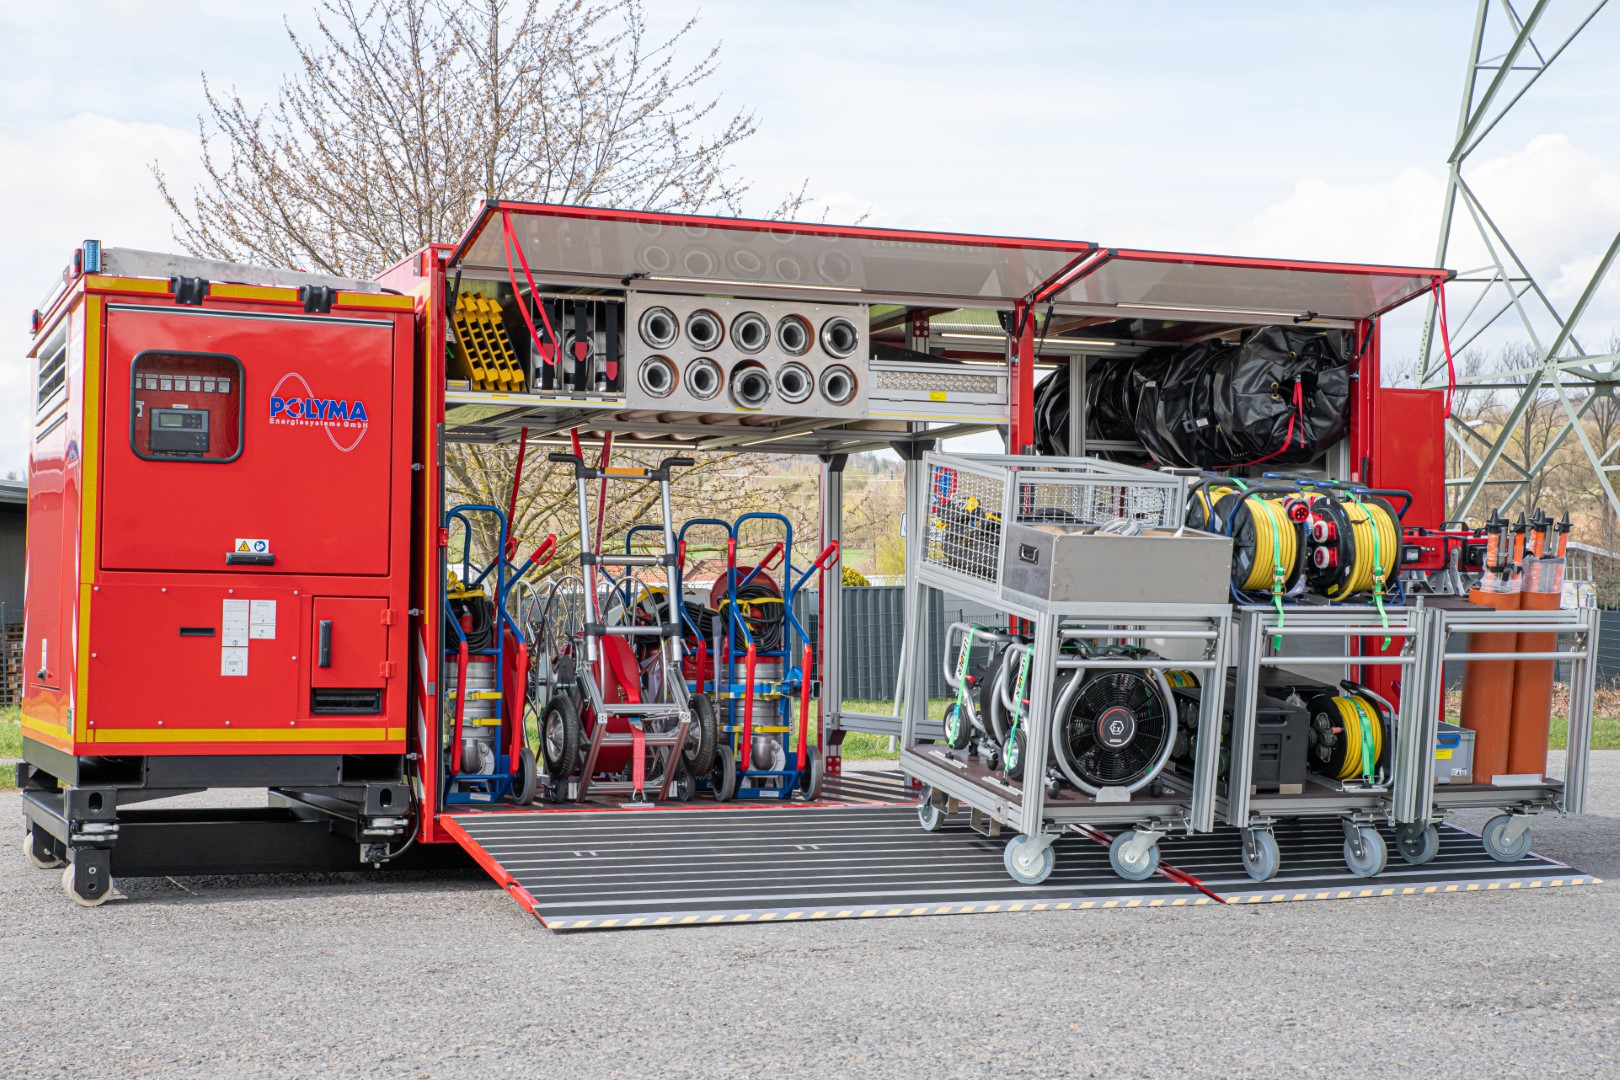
186,406
179,431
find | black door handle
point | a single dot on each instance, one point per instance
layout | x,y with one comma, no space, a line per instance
325,659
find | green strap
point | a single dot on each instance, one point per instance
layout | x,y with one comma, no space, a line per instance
1378,567
1018,695
1279,575
962,666
1368,762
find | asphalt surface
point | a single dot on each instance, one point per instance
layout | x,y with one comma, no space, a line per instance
443,976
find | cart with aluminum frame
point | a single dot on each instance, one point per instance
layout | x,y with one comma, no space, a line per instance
1506,837
1361,803
968,506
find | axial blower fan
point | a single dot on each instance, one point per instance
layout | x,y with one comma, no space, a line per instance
1114,728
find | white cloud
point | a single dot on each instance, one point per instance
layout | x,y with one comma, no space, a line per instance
83,178
1557,202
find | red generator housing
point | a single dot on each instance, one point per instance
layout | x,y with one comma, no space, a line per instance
218,551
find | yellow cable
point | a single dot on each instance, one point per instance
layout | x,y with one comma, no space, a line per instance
1350,716
1276,545
1374,535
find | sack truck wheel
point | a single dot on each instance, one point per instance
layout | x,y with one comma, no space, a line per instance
1032,871
723,777
1261,856
1418,844
527,779
1012,754
684,787
560,739
1366,854
1496,844
929,816
1139,868
810,779
958,726
41,862
101,890
701,737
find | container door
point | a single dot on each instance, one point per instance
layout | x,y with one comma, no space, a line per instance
244,441
350,644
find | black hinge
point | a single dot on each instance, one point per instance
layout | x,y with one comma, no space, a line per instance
317,299
189,290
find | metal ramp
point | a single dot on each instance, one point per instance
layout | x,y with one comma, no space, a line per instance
621,869
1313,867
860,854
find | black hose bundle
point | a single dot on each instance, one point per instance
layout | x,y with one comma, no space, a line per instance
761,603
1280,396
476,612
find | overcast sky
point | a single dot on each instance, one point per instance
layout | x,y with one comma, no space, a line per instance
1305,129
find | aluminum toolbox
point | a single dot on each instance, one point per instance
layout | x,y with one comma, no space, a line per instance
1075,563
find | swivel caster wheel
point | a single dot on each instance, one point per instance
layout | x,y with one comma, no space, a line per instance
1261,856
46,861
97,891
1025,866
1507,837
1132,866
929,816
1418,844
1365,853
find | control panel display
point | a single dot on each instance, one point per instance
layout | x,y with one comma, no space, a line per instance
186,406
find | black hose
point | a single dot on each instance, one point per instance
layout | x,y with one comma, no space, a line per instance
479,611
764,620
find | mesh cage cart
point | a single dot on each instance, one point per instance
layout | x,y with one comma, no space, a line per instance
1092,571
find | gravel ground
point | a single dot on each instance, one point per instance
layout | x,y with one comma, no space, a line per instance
442,976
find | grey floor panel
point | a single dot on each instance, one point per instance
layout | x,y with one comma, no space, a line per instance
686,867
1312,866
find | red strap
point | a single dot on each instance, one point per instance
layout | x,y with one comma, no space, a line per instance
638,758
748,709
548,351
1445,340
804,705
511,506
1298,414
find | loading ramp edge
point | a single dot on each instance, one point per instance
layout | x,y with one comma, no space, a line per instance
1185,880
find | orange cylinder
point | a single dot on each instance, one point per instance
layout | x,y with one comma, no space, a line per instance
1532,695
1487,693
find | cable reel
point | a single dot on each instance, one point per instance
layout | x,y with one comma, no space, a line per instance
1351,734
1268,543
1355,545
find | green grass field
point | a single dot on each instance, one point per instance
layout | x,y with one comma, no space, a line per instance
10,744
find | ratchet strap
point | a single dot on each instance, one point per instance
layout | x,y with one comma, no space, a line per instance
1378,565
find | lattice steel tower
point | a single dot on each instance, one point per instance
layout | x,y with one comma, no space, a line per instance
1506,58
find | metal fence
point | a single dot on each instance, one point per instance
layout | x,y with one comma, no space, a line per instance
874,626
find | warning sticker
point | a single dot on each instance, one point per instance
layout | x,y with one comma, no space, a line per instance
251,546
233,661
234,631
262,622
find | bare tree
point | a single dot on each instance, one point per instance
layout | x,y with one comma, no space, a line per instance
401,114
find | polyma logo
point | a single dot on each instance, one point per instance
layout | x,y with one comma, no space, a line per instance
333,415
